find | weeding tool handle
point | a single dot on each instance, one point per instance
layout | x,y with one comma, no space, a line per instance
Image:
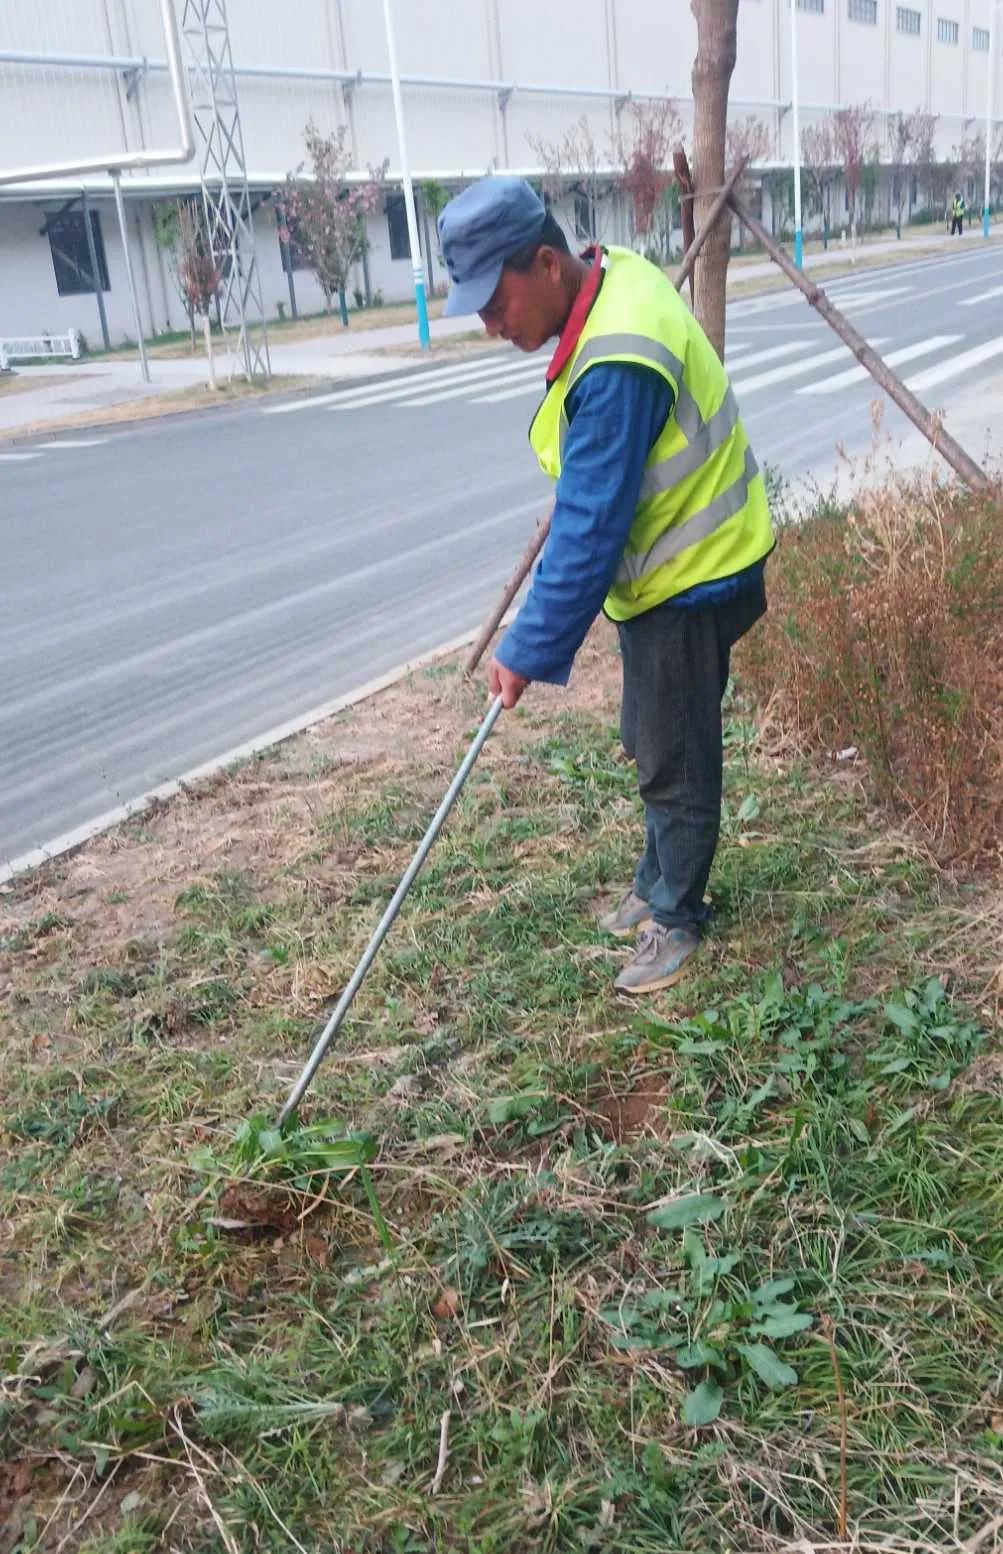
386,921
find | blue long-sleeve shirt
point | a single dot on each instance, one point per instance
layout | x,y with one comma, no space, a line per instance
616,413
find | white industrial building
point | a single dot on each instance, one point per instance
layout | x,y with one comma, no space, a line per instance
484,81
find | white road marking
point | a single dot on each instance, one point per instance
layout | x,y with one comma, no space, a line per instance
417,378
420,392
77,442
908,353
14,458
537,387
534,371
792,370
983,296
955,366
773,352
857,299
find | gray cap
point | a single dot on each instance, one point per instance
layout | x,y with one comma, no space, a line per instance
478,230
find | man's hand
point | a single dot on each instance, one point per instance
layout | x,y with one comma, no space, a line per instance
505,683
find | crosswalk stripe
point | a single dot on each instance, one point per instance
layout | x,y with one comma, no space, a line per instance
75,442
792,370
908,353
856,299
955,365
773,353
983,296
533,371
537,387
417,376
15,458
419,392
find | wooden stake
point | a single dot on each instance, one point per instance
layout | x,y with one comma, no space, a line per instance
536,544
961,462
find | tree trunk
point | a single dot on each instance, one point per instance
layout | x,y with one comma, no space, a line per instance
207,337
717,45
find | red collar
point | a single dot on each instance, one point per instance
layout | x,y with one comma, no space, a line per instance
571,333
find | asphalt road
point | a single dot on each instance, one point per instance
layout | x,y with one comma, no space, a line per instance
176,589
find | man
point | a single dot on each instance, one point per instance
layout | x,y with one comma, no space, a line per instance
660,511
958,212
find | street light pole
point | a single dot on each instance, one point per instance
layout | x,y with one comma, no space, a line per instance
989,112
412,223
796,115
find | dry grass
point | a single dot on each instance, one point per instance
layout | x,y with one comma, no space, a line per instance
203,1353
24,381
172,402
886,635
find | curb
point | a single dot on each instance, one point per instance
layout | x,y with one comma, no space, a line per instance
54,429
70,841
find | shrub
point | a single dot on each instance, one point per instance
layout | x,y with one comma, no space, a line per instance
885,632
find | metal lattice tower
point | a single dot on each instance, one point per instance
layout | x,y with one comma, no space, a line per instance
223,172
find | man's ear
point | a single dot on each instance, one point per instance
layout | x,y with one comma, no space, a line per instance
550,261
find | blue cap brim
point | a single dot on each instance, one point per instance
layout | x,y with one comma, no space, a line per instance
472,295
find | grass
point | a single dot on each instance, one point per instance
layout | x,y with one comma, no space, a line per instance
717,1272
171,402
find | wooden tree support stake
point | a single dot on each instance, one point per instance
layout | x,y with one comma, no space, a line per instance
929,425
538,541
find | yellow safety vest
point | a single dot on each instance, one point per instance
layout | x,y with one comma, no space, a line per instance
702,512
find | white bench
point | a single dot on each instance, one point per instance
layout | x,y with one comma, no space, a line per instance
38,347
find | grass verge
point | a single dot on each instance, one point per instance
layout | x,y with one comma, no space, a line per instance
717,1273
172,402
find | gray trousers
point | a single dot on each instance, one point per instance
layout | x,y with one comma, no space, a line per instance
676,663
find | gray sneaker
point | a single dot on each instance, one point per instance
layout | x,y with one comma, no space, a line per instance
630,913
660,961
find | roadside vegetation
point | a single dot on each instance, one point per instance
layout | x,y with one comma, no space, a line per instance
540,1269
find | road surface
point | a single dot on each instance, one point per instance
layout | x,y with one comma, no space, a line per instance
172,590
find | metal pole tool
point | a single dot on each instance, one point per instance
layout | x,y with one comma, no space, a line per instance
386,921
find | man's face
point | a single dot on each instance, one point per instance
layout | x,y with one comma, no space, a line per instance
528,308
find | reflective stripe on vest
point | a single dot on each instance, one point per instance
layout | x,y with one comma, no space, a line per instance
687,410
702,511
679,538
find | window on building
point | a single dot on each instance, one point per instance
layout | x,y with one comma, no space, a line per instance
817,7
980,39
863,11
70,258
396,211
947,31
907,20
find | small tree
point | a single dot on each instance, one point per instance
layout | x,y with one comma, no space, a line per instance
325,214
851,130
167,235
198,274
748,138
181,234
575,161
644,154
819,162
434,197
911,142
970,158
